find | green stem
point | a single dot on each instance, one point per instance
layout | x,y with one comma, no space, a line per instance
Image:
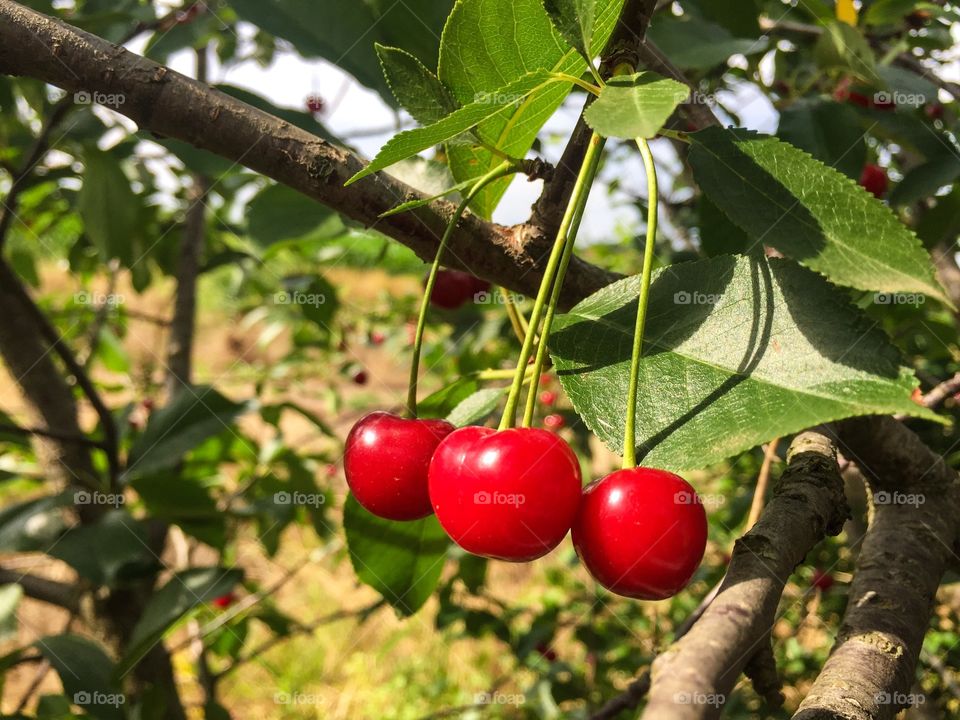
579,200
502,170
630,426
584,179
517,321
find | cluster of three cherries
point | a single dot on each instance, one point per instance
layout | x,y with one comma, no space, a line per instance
514,494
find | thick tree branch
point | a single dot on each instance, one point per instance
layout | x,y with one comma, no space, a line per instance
910,541
169,104
40,588
693,678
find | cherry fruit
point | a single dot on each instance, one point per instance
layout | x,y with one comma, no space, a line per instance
933,111
548,398
454,288
554,422
823,581
509,494
386,461
224,601
315,104
874,180
641,532
360,377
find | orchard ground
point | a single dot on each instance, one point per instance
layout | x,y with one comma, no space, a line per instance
384,667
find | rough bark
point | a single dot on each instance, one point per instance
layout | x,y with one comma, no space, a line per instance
910,541
693,678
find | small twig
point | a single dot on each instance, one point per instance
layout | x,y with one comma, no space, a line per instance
43,589
763,481
941,392
53,435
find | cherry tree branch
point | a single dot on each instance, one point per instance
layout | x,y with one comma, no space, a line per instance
41,588
910,542
693,677
169,104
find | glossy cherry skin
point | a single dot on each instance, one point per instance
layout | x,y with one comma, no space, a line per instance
386,461
874,180
454,288
509,494
641,533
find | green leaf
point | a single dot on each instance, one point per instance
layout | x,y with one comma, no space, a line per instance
85,671
739,350
417,89
476,408
278,213
195,415
635,106
33,524
827,130
108,206
443,402
184,592
585,24
925,180
697,44
10,596
486,106
400,560
843,47
719,236
485,44
783,197
110,552
183,499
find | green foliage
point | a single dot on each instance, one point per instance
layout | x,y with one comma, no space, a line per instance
739,351
635,106
585,24
85,671
400,560
784,198
109,208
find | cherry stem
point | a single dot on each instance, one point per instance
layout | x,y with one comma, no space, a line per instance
653,191
517,320
502,170
583,183
579,200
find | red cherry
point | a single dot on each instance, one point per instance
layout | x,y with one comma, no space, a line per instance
554,422
331,470
546,652
548,398
224,601
454,288
315,104
377,337
641,533
149,404
874,180
934,111
822,580
509,494
386,461
360,377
